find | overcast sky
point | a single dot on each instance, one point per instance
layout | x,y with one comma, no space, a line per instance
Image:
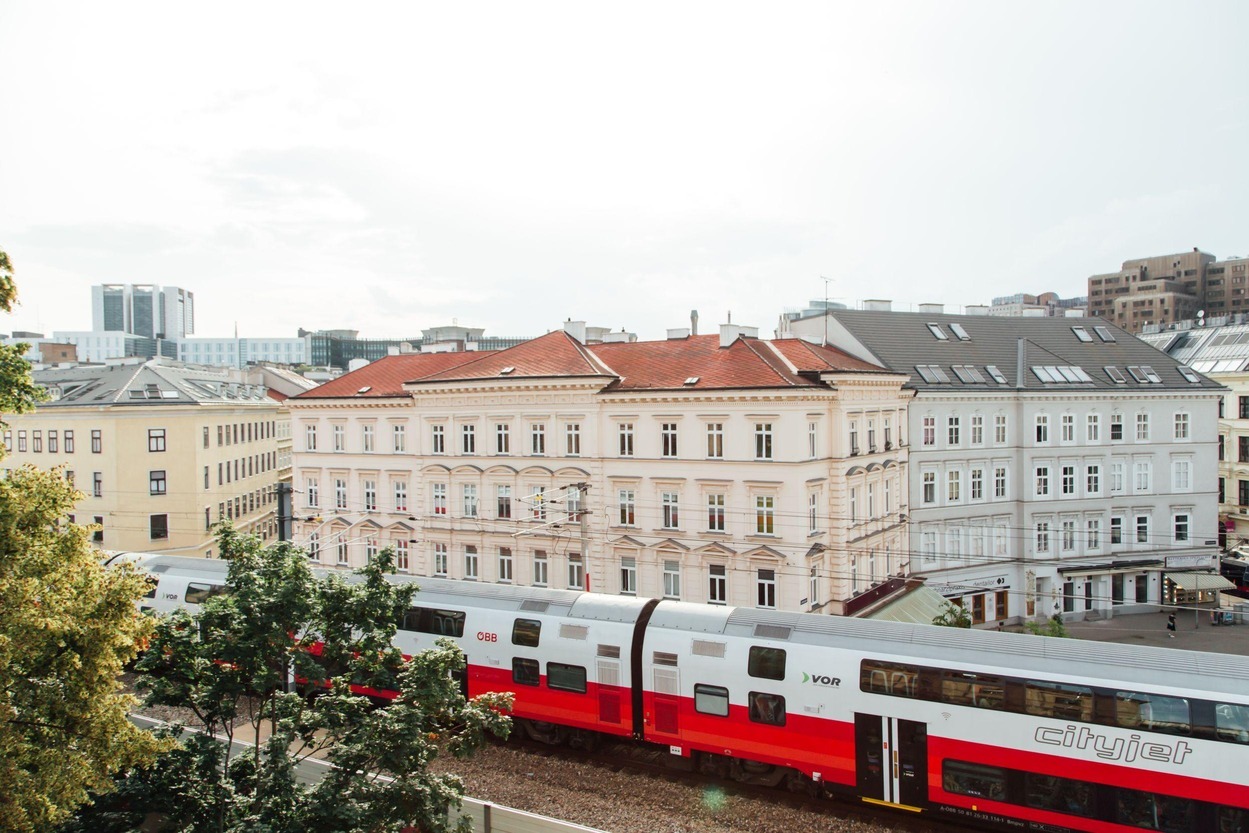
393,167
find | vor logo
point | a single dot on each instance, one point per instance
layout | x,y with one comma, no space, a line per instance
821,679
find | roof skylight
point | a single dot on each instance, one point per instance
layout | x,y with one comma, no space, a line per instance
937,332
996,374
1082,334
958,330
1104,333
1115,375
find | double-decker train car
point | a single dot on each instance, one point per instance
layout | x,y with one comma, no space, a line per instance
1002,730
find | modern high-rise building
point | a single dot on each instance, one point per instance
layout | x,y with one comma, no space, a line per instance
1169,288
143,310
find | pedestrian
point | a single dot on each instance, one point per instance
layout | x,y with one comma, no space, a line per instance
1171,626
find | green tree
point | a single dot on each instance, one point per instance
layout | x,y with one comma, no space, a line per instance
67,626
952,616
233,664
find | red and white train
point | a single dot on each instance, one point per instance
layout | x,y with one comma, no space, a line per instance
1000,730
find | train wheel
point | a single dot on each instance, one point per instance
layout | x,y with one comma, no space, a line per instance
543,732
798,783
717,766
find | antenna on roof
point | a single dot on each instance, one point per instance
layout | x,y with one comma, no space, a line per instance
827,281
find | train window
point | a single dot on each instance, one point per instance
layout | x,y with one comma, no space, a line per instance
767,708
889,678
526,632
1231,722
525,671
974,779
1152,712
1233,820
565,677
1058,700
711,699
973,690
197,594
151,582
1062,795
766,663
432,620
1149,811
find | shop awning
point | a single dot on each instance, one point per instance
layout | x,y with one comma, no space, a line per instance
1200,581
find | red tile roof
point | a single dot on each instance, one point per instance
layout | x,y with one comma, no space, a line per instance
666,365
554,354
385,377
807,356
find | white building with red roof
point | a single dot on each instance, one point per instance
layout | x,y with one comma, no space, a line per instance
723,468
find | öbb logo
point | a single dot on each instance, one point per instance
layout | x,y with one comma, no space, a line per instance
821,679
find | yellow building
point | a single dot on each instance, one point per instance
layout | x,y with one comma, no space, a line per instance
160,451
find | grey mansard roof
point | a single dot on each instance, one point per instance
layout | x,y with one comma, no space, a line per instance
146,384
1058,354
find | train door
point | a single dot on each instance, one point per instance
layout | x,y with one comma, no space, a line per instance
891,760
609,684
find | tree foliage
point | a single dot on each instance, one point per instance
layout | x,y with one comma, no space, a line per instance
248,664
67,626
1053,627
953,616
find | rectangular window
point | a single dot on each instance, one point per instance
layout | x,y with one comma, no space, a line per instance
1142,529
1116,530
811,440
1068,428
440,559
470,500
952,430
715,513
624,432
1116,428
399,438
471,565
1042,481
1181,476
929,487
311,492
1068,536
1142,428
539,568
537,440
813,512
340,437
366,438
572,439
156,482
1093,533
1143,476
1180,525
668,439
999,482
711,699
505,565
717,584
97,442
929,431
565,677
999,429
763,441
1043,536
1042,429
402,561
668,504
159,527
69,442
765,590
97,484
977,484
628,576
977,429
672,579
370,496
576,572
502,438
854,437
767,708
1068,480
468,439
1093,479
953,484
401,495
765,509
888,434
340,494
1181,426
1093,428
503,502
628,508
438,491
438,439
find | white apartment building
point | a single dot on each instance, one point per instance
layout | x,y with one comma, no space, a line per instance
1057,465
239,352
722,469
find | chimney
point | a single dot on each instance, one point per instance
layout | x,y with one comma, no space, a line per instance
729,333
576,329
878,306
675,333
932,309
694,322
